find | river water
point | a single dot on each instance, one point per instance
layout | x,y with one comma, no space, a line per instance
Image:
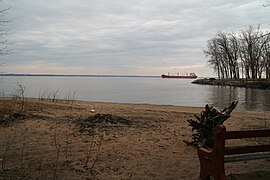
149,90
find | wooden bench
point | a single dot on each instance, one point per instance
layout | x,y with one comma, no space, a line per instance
212,160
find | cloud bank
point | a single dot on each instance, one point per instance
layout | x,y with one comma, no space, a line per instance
140,37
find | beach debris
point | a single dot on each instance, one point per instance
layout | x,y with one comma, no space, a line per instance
203,126
101,121
92,110
7,118
106,118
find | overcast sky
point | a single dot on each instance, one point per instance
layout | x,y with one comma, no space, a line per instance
127,37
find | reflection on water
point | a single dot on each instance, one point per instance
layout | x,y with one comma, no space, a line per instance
142,90
249,99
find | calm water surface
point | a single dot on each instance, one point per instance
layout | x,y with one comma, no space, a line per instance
148,90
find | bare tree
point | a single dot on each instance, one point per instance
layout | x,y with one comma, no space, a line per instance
4,50
214,56
248,51
252,43
266,59
222,52
267,4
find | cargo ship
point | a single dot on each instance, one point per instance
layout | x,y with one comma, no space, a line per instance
188,76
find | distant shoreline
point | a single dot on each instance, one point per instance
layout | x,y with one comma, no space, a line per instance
245,83
77,75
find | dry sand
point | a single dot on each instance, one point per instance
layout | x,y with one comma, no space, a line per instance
132,142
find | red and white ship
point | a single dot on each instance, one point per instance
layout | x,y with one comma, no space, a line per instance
189,76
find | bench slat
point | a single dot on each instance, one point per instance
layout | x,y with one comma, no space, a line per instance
243,157
247,149
247,134
213,165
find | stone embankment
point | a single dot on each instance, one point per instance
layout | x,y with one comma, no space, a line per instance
247,83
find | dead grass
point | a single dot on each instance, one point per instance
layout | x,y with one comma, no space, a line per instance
58,140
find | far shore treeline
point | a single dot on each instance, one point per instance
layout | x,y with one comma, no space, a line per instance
243,54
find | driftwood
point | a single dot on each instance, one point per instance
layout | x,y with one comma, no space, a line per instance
203,126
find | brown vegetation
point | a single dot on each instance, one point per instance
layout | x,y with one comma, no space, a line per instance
57,140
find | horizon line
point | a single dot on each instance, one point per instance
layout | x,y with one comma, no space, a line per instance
76,75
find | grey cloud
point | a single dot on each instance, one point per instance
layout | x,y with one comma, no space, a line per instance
123,33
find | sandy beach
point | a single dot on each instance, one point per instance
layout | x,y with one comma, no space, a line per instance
88,140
